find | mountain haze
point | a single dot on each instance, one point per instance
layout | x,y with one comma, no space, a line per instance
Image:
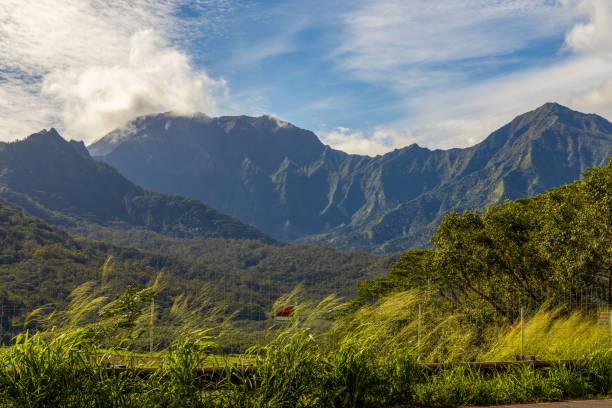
58,181
283,180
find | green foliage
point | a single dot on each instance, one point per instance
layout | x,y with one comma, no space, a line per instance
227,284
462,300
182,385
529,251
411,271
524,253
464,386
129,307
67,369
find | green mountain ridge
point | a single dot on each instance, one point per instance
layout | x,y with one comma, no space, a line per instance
528,160
58,181
283,180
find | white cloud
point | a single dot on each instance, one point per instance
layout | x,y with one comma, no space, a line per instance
596,34
152,78
594,38
343,139
596,100
379,142
86,66
465,116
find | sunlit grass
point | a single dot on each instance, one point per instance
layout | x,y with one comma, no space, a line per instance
323,357
550,334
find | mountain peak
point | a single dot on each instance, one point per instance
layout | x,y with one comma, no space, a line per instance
45,134
59,180
51,139
549,113
548,119
552,107
555,110
276,121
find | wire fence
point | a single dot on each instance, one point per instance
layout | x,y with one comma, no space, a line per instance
246,310
255,320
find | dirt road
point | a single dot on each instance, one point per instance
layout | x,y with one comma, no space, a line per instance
564,404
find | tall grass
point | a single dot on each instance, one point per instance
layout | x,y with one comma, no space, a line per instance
551,334
366,358
64,369
472,333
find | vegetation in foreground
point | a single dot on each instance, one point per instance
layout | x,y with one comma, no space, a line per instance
235,282
457,303
68,368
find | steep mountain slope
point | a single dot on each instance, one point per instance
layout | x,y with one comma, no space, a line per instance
283,180
267,172
58,181
539,150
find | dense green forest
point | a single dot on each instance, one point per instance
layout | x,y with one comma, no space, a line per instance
239,280
522,252
321,269
41,265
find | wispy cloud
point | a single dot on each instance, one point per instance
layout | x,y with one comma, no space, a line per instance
152,77
464,116
439,73
594,36
594,39
87,66
436,55
408,43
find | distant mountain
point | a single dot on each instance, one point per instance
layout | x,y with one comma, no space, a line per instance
283,180
58,181
541,149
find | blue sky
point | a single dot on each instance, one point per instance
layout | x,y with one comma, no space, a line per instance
367,76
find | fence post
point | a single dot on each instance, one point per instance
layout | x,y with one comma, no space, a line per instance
419,329
610,323
419,334
522,352
151,329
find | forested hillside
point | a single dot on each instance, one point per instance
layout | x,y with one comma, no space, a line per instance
58,181
238,279
41,265
549,252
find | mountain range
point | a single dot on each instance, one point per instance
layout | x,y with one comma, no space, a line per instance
59,182
286,182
